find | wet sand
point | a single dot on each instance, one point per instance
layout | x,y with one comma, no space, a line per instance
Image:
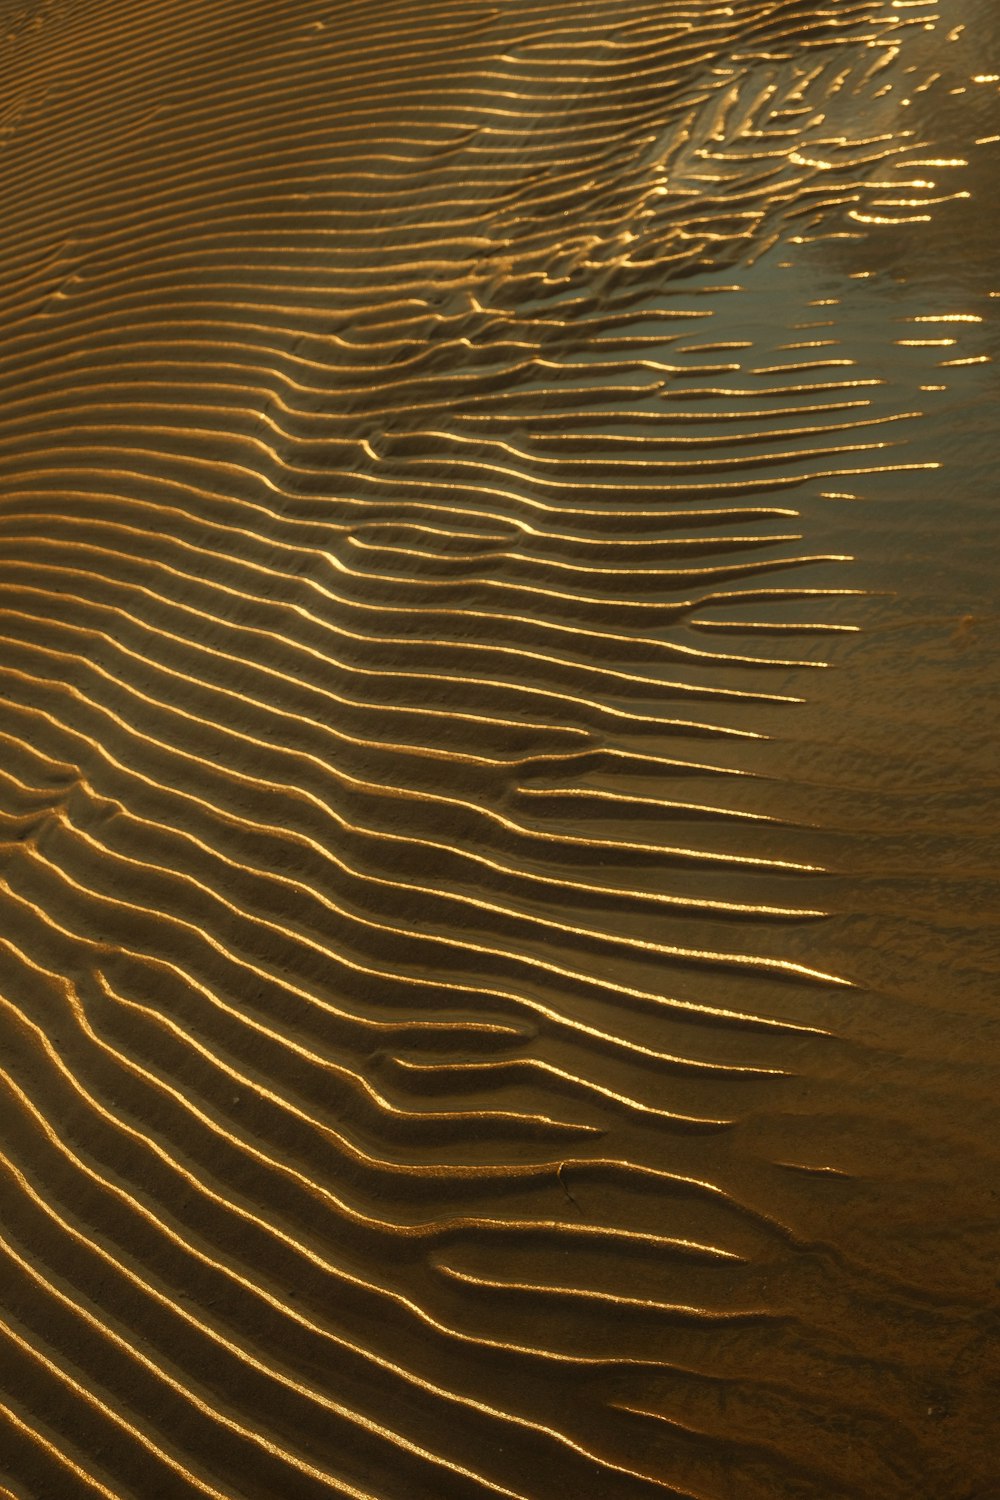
498,707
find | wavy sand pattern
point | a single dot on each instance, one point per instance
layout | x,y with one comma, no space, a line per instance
404,591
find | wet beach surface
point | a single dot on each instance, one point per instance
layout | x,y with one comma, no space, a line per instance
498,707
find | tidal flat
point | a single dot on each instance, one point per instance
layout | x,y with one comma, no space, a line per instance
498,776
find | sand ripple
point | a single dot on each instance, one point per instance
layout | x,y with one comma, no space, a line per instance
402,589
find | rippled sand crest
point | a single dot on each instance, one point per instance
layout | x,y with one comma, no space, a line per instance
426,1069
